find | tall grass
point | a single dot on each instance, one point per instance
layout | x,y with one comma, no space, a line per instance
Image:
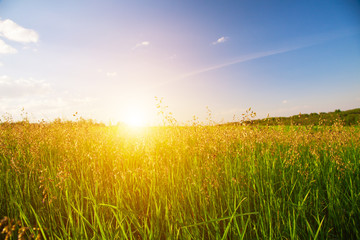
80,180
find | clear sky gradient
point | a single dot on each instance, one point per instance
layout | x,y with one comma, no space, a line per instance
108,59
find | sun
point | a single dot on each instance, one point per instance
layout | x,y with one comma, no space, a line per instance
135,117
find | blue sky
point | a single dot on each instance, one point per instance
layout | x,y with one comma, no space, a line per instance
107,60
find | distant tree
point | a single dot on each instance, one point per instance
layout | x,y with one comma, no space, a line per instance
337,110
351,119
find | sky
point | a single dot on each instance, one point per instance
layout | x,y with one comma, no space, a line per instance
108,60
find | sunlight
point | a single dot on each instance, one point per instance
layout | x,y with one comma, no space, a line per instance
135,117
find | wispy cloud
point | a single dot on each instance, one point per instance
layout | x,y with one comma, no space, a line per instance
284,101
221,40
6,49
142,44
43,107
307,42
10,88
17,33
1,64
241,59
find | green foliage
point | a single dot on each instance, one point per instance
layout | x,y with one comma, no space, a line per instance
347,118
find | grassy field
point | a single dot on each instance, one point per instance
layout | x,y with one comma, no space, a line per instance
80,180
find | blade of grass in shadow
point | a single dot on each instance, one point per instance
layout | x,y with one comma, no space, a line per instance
38,222
318,231
220,219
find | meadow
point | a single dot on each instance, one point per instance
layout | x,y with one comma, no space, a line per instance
82,180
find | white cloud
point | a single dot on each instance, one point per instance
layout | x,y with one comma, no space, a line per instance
17,33
284,101
221,40
10,88
6,49
142,44
1,64
111,74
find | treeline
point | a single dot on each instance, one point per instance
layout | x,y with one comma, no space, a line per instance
347,118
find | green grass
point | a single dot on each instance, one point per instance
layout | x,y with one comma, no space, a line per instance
79,180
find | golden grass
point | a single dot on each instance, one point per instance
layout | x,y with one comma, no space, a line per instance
86,180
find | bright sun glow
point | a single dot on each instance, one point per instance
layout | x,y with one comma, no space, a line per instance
135,117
